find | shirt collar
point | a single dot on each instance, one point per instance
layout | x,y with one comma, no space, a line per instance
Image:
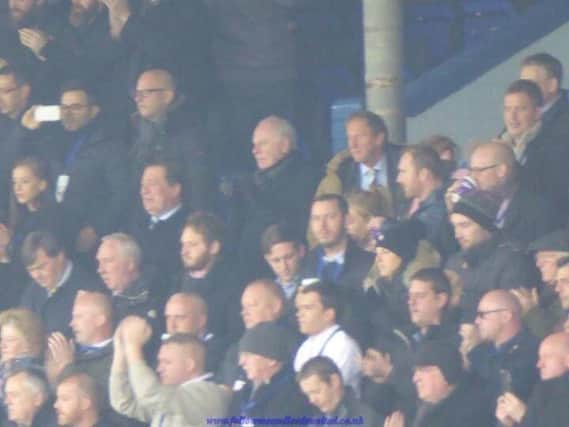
166,215
338,258
62,280
203,377
366,170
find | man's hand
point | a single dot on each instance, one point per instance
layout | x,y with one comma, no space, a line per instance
61,353
29,119
528,298
35,40
5,238
502,415
397,419
512,406
135,331
470,339
87,239
119,13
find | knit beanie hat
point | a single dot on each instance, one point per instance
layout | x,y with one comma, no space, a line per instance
481,207
269,340
401,238
444,356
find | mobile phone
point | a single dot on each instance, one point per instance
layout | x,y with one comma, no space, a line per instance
505,381
47,113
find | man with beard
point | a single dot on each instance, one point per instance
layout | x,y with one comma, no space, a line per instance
209,273
84,50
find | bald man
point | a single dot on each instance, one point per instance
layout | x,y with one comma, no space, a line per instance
279,190
165,125
178,394
262,301
524,216
187,313
503,345
548,402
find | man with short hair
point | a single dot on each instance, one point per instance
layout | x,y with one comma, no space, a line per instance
280,189
317,308
504,345
181,395
420,175
90,166
562,289
284,251
119,266
271,389
210,272
77,401
547,72
523,215
548,401
535,146
156,224
321,381
56,281
187,313
370,164
337,259
26,398
165,128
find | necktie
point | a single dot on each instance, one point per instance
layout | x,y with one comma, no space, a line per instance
153,222
330,271
375,185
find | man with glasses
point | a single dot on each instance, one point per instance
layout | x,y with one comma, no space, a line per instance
506,353
167,127
91,170
523,215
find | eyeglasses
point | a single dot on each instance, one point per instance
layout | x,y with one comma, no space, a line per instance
482,168
73,108
483,313
143,93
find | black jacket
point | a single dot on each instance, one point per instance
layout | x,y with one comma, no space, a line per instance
180,139
279,398
221,289
493,264
283,192
518,356
548,406
530,216
97,193
160,245
466,406
355,410
55,310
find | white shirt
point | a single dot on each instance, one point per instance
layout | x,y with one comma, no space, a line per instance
367,174
334,343
165,215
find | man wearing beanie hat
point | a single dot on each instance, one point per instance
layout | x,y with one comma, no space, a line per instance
271,390
486,261
448,396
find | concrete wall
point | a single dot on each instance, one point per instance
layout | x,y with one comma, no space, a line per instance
474,112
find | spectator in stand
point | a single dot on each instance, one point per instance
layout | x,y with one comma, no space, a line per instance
321,381
503,346
120,269
280,189
547,72
562,289
165,127
523,216
27,399
370,164
536,145
90,166
362,207
210,272
56,281
158,223
548,402
448,152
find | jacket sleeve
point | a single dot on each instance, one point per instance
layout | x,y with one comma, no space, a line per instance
123,399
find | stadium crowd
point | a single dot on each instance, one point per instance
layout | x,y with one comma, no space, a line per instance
169,257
